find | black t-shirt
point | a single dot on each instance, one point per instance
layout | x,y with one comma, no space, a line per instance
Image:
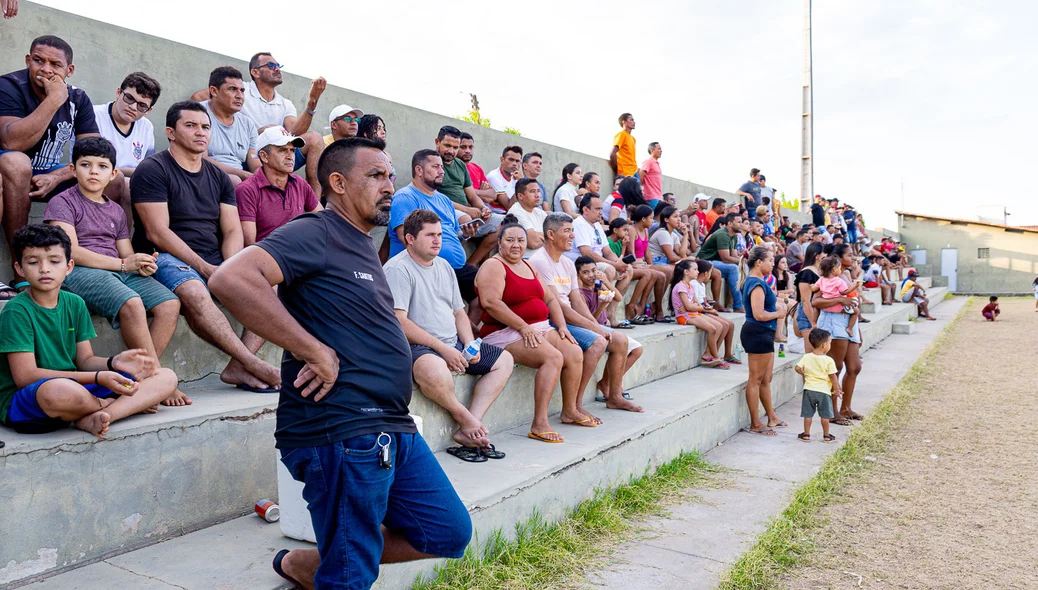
193,198
75,117
805,276
335,288
817,215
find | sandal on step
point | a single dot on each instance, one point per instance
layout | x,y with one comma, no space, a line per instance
733,361
623,325
491,452
467,454
541,436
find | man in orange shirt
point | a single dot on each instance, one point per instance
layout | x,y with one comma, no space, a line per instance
622,159
716,210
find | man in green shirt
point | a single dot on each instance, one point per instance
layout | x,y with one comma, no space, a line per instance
49,375
719,249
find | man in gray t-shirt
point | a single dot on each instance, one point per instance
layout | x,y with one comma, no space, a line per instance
795,251
232,144
428,303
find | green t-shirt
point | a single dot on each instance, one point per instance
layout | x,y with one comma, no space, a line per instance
714,243
455,180
616,247
51,334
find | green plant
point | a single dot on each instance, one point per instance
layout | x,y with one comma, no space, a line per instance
474,117
513,131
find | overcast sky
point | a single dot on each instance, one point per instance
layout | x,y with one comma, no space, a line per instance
939,93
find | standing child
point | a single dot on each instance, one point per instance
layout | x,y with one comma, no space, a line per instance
821,385
49,375
687,311
832,287
115,282
991,310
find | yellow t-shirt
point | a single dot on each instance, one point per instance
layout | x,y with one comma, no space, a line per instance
817,368
626,165
906,287
328,139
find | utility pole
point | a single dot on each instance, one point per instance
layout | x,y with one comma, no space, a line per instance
807,181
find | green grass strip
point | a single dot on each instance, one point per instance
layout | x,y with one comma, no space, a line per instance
787,540
546,555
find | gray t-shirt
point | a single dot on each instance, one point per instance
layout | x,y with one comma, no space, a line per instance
230,145
657,240
754,189
793,250
429,294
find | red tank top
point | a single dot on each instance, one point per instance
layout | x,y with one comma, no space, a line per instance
525,297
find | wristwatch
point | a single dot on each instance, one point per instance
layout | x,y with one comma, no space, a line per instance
311,112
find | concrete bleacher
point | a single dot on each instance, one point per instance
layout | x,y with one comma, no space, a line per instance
71,500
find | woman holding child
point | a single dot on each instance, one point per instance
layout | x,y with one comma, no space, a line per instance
758,339
846,336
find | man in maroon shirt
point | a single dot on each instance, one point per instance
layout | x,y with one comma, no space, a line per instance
273,196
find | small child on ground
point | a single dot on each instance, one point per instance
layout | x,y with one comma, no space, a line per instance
49,375
821,385
115,282
832,286
991,310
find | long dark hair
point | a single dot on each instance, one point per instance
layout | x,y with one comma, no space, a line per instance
679,271
814,250
631,190
666,214
368,125
587,178
566,171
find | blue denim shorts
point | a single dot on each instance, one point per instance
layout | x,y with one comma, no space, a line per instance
349,496
173,272
300,160
25,414
585,338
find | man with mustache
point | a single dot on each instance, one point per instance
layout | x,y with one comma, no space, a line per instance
232,146
374,490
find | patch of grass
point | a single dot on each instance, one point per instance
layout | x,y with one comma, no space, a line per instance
948,295
787,540
547,555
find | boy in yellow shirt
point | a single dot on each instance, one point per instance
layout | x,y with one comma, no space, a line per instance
821,385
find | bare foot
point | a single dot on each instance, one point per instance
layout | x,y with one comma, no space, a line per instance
623,404
850,331
545,431
581,409
177,399
96,423
467,441
152,410
234,374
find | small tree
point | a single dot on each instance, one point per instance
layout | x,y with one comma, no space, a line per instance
475,117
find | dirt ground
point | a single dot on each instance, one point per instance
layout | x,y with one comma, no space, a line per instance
953,502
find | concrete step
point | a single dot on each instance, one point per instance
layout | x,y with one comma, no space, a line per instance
904,328
208,463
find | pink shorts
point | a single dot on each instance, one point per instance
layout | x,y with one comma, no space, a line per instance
503,338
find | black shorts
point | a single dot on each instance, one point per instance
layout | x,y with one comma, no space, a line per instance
467,281
757,339
488,355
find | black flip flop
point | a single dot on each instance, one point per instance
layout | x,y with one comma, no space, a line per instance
467,454
251,389
491,452
602,399
281,572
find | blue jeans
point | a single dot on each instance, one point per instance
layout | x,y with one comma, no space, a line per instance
173,272
349,495
730,272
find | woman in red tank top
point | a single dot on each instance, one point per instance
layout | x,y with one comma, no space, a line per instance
516,308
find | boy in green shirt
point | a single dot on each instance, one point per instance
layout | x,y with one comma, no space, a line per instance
49,375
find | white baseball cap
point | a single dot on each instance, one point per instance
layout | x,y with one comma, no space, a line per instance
700,197
343,109
278,136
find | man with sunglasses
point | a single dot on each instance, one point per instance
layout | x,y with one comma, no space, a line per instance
268,108
122,122
344,121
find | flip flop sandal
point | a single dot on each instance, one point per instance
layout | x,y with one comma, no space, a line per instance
640,320
779,425
540,436
666,320
733,361
587,422
601,398
467,454
864,321
723,365
281,572
711,363
841,422
627,395
491,452
251,389
856,416
828,438
623,325
764,432
804,437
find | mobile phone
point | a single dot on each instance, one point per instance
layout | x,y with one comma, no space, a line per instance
629,259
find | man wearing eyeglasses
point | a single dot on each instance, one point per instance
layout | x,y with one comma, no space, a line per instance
123,123
268,108
344,121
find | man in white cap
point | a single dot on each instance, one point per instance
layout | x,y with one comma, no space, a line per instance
273,196
700,226
343,120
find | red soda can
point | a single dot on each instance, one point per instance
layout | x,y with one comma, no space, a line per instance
268,510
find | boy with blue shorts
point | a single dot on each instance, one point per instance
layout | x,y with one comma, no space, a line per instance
49,375
821,384
115,282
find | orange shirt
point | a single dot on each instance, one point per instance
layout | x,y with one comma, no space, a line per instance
626,165
711,217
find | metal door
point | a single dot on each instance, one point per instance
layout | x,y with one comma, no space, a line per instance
950,267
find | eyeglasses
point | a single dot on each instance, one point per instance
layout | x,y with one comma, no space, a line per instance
142,107
348,119
274,65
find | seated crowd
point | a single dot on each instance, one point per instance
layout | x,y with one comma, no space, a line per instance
133,235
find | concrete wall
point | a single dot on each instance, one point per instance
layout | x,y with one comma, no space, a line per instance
104,54
1013,262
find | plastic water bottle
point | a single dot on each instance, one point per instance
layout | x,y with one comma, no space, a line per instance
738,350
782,351
472,349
